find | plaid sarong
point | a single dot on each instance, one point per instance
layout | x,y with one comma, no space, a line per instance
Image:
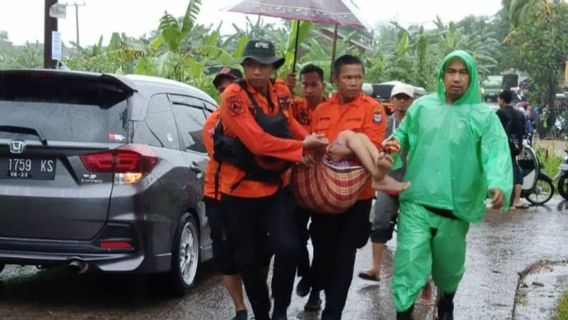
326,188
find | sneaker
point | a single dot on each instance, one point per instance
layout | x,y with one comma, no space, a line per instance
241,315
303,287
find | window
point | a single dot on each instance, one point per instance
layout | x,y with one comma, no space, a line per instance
161,123
190,120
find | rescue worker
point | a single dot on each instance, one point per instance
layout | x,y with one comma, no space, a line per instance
312,88
455,153
223,251
336,237
256,142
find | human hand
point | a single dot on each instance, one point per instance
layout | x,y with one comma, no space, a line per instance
498,198
314,141
391,146
307,160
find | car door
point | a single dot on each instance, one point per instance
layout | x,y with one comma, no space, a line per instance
190,114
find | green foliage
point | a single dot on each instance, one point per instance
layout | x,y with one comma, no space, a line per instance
541,47
549,160
562,309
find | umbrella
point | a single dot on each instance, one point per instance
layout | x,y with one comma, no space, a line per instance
335,12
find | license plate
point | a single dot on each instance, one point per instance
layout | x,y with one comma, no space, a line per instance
27,168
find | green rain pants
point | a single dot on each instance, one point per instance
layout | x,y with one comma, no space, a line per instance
426,243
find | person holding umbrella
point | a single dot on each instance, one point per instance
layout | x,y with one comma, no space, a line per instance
256,142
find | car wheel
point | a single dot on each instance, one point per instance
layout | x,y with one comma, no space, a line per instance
185,258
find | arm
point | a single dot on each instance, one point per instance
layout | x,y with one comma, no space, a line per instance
208,128
298,132
237,118
496,163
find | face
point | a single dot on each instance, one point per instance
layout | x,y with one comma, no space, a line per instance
349,81
401,102
223,84
312,87
456,79
258,74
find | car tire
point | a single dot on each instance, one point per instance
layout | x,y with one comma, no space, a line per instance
185,255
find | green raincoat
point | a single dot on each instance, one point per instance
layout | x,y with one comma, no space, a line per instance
456,152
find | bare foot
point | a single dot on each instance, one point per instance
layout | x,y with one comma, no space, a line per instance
388,183
384,164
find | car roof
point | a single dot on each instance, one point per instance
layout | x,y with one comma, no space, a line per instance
174,86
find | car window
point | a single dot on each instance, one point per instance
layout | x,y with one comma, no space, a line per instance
190,121
161,123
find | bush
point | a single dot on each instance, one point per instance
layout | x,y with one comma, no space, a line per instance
549,160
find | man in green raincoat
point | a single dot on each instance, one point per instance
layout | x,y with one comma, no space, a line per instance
457,153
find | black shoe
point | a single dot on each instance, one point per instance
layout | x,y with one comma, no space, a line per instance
405,315
314,302
241,315
446,306
303,287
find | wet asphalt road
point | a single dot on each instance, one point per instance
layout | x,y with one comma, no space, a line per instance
498,249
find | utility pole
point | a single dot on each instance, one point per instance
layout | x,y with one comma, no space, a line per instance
77,5
50,24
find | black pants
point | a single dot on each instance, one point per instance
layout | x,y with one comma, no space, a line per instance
336,239
248,222
223,249
302,217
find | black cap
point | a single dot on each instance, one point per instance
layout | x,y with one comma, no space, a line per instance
226,72
262,51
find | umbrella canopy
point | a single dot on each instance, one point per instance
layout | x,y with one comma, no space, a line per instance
320,11
335,12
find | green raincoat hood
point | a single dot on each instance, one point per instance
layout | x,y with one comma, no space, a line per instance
472,94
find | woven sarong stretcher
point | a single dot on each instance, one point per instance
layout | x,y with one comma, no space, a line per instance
327,188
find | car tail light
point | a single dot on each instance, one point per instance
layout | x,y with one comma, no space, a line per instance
129,162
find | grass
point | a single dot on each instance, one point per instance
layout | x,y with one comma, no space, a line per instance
549,160
562,309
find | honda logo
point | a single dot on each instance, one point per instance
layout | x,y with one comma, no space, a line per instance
17,146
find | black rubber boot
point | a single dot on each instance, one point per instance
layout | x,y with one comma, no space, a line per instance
446,306
405,315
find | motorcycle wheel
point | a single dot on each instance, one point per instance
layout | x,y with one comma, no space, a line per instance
543,192
563,186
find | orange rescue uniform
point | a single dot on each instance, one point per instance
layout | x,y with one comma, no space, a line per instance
212,165
363,115
237,116
302,112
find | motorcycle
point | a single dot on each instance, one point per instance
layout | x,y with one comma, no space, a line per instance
563,177
537,186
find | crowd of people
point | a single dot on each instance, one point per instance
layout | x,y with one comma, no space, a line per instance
444,150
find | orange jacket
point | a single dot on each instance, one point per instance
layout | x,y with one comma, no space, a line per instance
212,165
302,113
237,116
364,114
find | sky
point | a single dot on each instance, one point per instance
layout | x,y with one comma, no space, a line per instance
23,19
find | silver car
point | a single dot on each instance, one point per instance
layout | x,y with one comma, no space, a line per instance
103,172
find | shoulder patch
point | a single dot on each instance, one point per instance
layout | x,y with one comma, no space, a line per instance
235,104
377,117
